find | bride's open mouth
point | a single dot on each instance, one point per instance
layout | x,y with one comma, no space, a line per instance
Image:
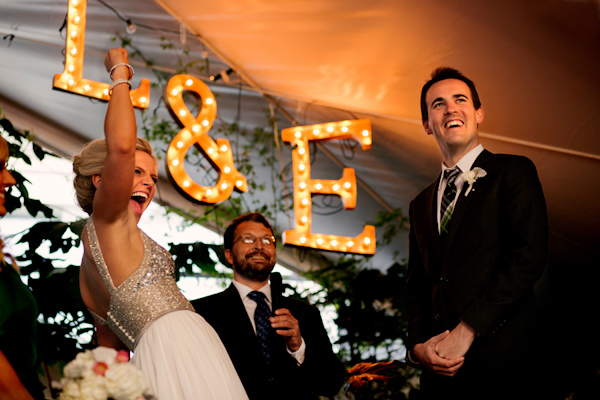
138,200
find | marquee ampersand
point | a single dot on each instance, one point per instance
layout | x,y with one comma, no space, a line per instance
194,133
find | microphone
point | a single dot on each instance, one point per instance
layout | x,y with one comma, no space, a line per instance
276,290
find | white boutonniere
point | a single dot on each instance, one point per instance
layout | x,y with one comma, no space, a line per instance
471,176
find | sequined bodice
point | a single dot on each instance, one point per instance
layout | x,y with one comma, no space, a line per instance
149,292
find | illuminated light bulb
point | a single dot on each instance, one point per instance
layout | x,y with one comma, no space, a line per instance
189,82
319,241
209,101
301,150
318,186
365,133
210,150
350,243
304,219
143,99
186,183
71,68
105,91
301,167
86,87
76,19
174,92
182,113
304,202
344,129
74,2
205,122
224,185
71,82
336,187
302,185
175,163
303,239
316,131
239,183
347,185
367,240
334,242
330,129
227,170
209,192
224,147
179,144
196,128
73,51
73,33
298,134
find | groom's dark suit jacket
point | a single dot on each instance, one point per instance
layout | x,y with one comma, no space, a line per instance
321,373
484,271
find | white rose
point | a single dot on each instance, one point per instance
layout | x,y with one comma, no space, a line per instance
93,387
469,176
70,391
80,366
105,354
125,382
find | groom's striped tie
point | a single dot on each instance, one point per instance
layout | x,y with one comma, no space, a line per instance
449,194
263,326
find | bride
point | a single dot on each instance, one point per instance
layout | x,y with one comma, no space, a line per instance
126,279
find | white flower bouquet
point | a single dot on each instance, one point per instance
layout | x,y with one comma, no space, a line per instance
102,374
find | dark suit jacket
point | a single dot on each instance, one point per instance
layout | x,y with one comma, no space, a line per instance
321,373
484,271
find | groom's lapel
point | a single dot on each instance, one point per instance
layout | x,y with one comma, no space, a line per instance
462,204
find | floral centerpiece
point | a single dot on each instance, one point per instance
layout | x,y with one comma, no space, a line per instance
102,374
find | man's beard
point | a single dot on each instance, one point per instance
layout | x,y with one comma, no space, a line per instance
255,273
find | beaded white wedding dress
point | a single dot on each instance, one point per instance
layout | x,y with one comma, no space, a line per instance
180,354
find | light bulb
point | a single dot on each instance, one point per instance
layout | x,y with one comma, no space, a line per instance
131,27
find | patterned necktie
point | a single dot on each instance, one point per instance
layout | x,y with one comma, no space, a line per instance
449,194
263,326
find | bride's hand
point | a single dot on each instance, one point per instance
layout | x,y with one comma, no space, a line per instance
114,57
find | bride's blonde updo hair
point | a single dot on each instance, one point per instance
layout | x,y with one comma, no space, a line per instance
90,162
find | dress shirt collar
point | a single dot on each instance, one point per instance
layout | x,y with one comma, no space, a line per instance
466,163
244,290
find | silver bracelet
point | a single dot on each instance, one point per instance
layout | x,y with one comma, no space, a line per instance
118,82
131,71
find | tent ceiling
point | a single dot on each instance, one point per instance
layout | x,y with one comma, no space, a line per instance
535,63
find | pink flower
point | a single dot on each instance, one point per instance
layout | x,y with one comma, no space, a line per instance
100,368
122,356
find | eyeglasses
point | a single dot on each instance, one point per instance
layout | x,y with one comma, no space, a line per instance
251,239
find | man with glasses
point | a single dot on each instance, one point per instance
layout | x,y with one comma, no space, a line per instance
278,354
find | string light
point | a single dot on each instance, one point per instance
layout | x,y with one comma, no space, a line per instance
224,74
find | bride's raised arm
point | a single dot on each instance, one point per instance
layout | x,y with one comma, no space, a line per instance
111,201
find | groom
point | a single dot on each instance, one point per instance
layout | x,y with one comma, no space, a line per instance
478,243
296,360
